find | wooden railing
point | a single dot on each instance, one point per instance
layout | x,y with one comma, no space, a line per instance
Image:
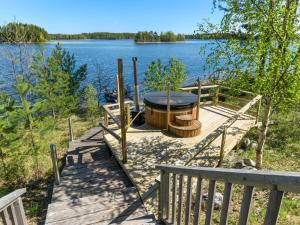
248,103
174,206
11,208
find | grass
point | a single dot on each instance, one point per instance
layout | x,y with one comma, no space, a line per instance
282,153
39,181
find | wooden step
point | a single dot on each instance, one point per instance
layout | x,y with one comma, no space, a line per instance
109,211
186,131
184,120
126,195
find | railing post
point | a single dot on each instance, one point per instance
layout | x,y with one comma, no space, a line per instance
71,137
20,212
128,116
168,105
258,112
216,97
136,85
122,109
54,163
118,89
160,196
222,147
198,99
105,121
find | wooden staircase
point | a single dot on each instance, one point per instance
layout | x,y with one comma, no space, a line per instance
185,126
94,189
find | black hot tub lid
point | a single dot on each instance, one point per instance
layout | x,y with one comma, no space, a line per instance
178,100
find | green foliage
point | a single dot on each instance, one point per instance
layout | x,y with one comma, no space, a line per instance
158,76
57,86
90,97
267,60
11,127
154,37
15,32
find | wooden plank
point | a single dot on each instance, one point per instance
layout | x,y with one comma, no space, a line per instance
226,204
174,199
180,200
273,207
188,201
198,202
210,202
285,181
246,205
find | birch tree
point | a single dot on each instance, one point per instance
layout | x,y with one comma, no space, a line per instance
262,56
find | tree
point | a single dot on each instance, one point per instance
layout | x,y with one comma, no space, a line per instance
266,60
158,76
90,97
57,82
52,85
11,131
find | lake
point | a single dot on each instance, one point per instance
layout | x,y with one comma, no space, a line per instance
106,52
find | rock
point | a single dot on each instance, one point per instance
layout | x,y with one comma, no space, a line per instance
246,143
249,168
244,163
240,164
249,162
254,144
218,200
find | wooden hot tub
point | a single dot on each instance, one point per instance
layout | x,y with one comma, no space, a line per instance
181,103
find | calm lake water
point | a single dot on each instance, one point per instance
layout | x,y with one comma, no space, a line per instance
106,52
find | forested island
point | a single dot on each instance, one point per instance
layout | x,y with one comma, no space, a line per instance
154,37
16,32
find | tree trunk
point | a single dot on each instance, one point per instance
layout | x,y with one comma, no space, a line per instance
263,133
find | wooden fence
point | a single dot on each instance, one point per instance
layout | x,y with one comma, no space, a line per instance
12,210
175,203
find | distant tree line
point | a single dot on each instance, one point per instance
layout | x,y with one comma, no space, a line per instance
150,36
16,32
96,36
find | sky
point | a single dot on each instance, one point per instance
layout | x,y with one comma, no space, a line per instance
79,16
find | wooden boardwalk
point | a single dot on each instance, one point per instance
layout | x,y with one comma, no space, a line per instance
94,189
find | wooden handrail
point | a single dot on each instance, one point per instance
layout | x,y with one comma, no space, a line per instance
111,132
13,203
111,114
173,177
11,198
204,87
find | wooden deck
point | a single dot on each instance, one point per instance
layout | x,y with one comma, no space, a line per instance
94,189
147,146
